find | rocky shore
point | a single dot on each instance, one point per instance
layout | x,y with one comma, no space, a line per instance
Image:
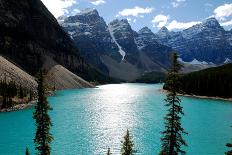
207,97
19,107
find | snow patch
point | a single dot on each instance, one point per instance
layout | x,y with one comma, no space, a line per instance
87,33
227,60
121,51
88,11
195,62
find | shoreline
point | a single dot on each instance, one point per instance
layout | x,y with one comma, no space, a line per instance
207,97
51,93
18,107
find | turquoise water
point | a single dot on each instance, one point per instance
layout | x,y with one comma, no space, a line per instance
88,121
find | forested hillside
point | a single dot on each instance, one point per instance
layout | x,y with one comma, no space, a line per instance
215,81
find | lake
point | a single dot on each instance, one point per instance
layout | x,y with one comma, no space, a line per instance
88,121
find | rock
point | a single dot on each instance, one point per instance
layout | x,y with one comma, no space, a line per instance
10,72
59,78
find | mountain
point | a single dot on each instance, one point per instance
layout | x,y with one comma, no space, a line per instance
29,33
207,41
90,34
123,34
115,49
147,43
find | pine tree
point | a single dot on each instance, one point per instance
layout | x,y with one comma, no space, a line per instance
21,92
172,139
108,152
30,95
127,145
43,136
27,151
230,146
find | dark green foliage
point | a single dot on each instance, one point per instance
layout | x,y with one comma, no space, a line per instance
172,139
152,77
230,146
108,152
43,136
30,95
213,82
7,91
127,145
27,151
21,93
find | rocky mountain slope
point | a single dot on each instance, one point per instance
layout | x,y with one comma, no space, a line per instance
29,32
115,48
60,78
207,41
10,72
57,77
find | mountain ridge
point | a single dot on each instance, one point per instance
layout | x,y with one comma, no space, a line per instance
122,41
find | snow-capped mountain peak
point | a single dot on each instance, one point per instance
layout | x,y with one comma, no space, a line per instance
122,24
211,23
145,30
163,31
88,11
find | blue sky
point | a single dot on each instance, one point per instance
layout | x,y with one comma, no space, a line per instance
174,14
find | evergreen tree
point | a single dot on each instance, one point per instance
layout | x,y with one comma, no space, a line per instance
127,145
108,152
30,95
27,151
7,91
230,146
21,92
43,136
172,139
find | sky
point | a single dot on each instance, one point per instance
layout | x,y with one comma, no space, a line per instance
174,14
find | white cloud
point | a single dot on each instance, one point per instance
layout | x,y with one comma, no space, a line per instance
228,23
208,5
58,7
160,20
136,11
223,11
180,0
98,2
131,21
75,11
173,25
176,3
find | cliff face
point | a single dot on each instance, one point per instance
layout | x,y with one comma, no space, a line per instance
29,32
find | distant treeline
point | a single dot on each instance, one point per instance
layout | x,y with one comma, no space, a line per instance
152,77
10,90
214,82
